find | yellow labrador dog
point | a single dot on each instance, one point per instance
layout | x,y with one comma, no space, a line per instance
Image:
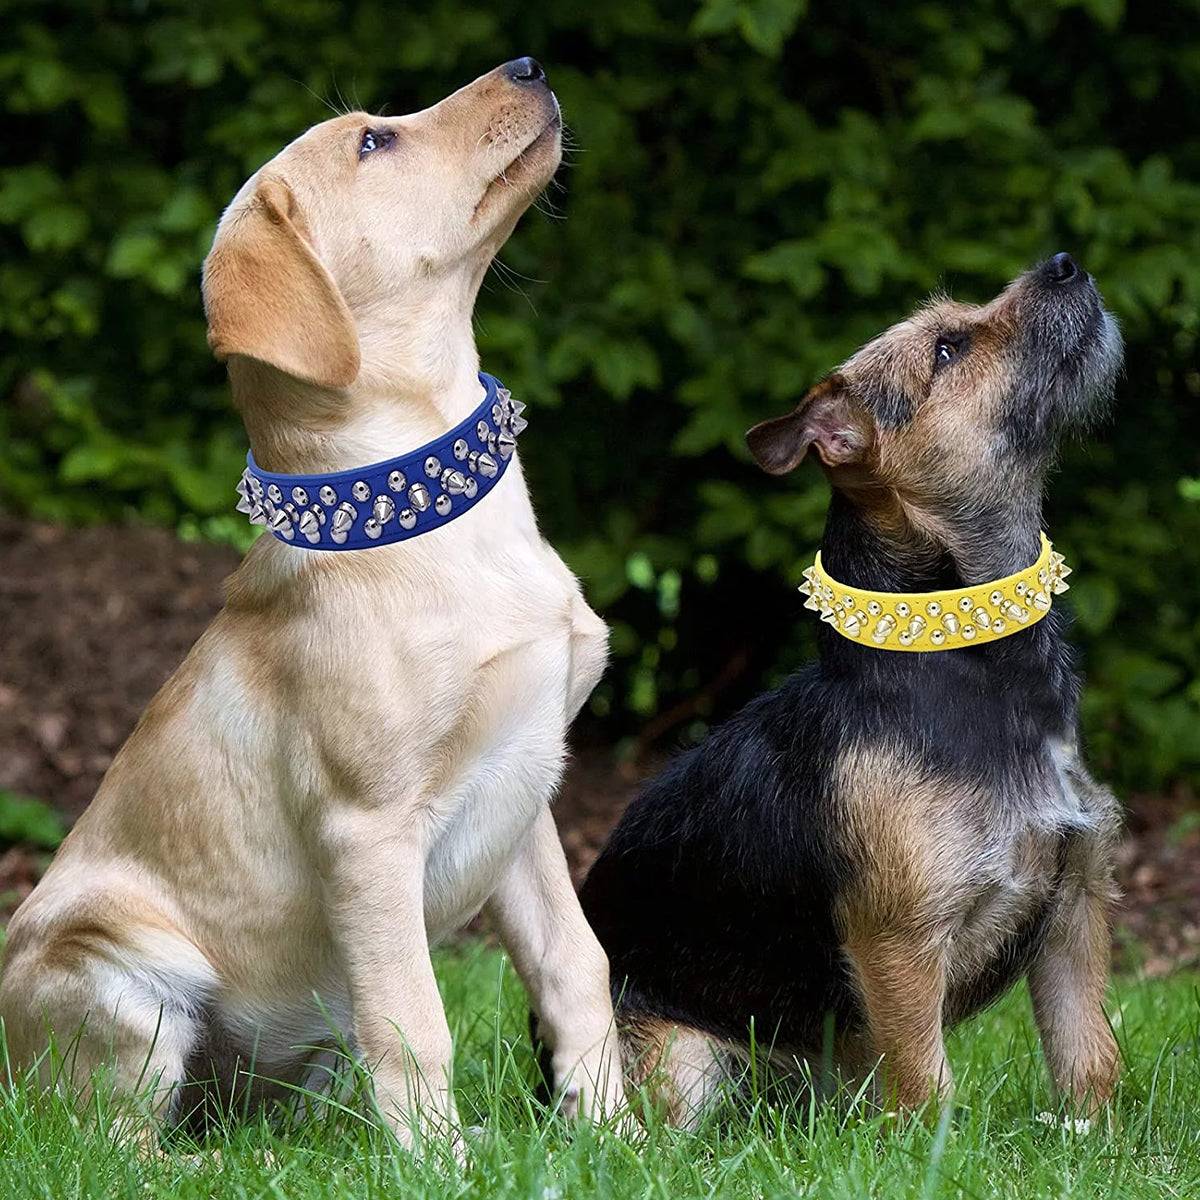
360,752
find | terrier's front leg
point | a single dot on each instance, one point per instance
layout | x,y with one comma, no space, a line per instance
902,983
375,883
565,970
1067,982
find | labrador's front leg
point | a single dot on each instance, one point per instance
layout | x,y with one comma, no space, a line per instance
565,970
376,900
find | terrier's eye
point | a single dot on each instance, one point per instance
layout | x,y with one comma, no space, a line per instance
374,139
946,350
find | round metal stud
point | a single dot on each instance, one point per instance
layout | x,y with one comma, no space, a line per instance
397,481
482,430
442,505
407,518
300,496
472,488
461,449
433,466
999,625
275,494
937,637
360,491
902,609
418,497
995,599
874,607
905,638
968,631
328,496
372,528
473,461
933,608
964,604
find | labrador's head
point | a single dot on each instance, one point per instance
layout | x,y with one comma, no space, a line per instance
366,218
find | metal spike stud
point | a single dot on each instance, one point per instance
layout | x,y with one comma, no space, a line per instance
488,466
383,509
342,520
245,504
518,425
310,526
418,497
506,444
454,482
281,524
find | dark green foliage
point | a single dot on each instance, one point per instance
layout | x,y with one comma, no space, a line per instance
758,187
24,819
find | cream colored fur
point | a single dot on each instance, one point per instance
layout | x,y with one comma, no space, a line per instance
359,753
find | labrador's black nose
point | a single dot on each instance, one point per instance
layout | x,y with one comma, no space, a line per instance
1062,268
525,70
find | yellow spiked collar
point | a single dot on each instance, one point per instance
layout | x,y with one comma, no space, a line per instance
945,620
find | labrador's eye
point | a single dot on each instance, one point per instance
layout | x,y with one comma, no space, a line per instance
374,139
946,349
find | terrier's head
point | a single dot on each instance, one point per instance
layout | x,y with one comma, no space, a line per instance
953,415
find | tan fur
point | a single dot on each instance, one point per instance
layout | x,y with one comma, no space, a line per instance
359,752
681,1069
935,894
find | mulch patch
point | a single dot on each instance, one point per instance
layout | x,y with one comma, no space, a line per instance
92,621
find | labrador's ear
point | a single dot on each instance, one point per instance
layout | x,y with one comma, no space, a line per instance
828,418
267,295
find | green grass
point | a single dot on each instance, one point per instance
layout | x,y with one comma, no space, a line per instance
993,1144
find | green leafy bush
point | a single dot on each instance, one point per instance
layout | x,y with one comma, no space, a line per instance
24,819
759,186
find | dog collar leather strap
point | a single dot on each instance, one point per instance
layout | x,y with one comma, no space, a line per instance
394,500
948,620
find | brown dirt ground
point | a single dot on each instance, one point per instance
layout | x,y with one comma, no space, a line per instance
93,621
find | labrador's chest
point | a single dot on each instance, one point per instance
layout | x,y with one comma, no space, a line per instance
509,757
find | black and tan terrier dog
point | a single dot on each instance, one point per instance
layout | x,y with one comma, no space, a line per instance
883,845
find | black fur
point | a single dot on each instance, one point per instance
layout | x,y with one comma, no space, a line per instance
714,896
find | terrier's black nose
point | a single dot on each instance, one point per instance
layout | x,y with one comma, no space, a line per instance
1062,268
525,70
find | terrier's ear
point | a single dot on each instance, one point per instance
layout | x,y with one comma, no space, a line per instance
827,418
268,296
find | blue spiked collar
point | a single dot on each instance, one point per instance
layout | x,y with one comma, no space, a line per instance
394,500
